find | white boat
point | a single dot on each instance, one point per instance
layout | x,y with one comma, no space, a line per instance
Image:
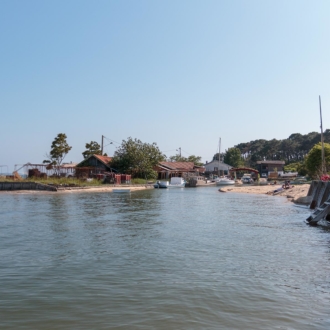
121,190
224,181
177,182
161,184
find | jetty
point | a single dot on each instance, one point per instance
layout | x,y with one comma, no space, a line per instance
8,186
319,194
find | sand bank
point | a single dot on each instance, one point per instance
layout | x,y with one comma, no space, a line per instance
296,194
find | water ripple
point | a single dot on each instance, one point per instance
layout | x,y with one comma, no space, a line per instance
177,259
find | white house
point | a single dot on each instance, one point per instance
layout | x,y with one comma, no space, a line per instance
217,168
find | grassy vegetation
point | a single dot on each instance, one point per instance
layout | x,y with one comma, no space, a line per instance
140,181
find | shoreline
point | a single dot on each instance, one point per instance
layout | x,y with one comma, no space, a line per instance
296,194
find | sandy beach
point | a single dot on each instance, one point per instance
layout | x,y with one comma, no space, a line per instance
296,194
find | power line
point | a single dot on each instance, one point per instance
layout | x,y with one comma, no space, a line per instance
190,154
110,140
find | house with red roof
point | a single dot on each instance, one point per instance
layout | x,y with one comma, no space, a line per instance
167,170
93,165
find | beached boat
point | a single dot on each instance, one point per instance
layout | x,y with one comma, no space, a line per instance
177,182
125,190
161,184
224,181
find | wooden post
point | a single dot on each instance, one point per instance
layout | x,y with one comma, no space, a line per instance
322,139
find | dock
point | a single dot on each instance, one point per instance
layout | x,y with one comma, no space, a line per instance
319,193
9,186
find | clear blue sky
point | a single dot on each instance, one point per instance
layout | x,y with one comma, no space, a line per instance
178,73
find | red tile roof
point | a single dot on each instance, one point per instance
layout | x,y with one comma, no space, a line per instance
103,159
178,166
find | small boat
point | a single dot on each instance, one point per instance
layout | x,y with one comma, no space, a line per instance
121,190
224,181
177,182
161,184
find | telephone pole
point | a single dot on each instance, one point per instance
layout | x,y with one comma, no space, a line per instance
102,146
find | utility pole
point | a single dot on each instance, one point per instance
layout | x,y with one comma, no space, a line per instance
180,151
102,146
322,139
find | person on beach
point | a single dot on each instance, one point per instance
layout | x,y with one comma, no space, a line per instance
286,184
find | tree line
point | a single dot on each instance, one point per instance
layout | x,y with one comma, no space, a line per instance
293,149
301,153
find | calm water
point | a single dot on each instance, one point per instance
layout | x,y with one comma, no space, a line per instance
161,259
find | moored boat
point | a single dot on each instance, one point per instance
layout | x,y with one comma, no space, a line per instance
161,184
177,182
224,181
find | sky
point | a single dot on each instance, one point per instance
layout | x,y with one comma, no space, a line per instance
179,73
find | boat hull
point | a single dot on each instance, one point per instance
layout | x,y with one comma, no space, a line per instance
225,182
177,182
177,185
161,185
120,191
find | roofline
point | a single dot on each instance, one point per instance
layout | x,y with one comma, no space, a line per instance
96,158
271,161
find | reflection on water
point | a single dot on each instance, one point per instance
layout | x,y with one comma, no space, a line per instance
161,259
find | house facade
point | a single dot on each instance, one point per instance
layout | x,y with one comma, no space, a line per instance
267,167
217,168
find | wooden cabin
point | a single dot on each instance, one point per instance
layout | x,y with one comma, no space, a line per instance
93,165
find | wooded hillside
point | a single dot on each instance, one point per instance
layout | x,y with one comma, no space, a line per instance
292,149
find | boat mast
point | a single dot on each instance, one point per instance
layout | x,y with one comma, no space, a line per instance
322,139
219,158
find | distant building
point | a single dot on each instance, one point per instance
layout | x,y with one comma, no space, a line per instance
166,170
216,168
266,167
